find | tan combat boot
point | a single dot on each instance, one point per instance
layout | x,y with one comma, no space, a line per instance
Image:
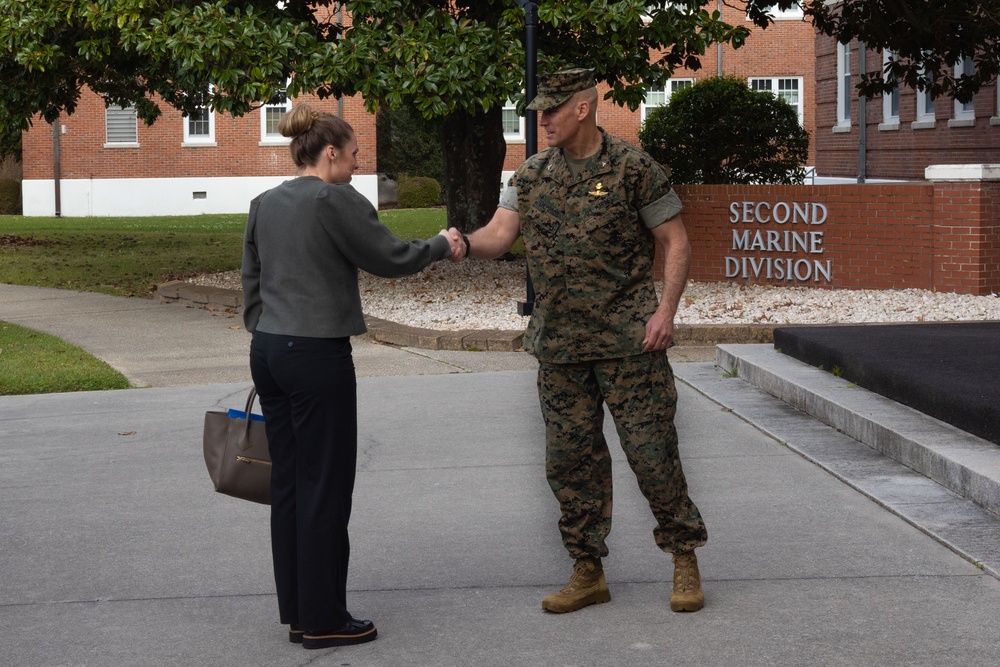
687,595
585,586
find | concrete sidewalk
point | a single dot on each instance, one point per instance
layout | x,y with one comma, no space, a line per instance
116,550
168,345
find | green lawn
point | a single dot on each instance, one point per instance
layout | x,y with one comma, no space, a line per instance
124,257
32,362
128,256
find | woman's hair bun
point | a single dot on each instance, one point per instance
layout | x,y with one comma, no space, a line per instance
298,121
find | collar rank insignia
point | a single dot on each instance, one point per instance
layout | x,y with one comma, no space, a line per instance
598,191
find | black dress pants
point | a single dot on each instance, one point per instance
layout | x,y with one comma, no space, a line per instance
308,394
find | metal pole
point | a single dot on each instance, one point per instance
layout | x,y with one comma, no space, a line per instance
55,166
862,120
718,63
525,307
531,62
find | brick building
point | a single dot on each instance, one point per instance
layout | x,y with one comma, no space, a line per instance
903,133
109,163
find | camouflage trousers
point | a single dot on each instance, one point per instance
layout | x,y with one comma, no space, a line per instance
642,399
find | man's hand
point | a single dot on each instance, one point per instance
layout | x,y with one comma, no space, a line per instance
659,332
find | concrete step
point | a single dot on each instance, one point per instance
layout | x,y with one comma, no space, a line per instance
965,464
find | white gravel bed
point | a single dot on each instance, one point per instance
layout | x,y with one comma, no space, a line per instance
480,294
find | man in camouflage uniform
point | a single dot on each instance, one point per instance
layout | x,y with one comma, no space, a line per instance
592,210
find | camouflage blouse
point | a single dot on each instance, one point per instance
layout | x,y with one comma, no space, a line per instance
590,250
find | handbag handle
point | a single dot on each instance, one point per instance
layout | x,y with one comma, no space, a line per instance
249,406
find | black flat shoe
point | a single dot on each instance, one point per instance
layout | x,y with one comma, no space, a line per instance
295,634
352,632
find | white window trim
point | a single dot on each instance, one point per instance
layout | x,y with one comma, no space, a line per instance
843,85
273,139
120,144
800,107
199,140
514,137
669,88
963,117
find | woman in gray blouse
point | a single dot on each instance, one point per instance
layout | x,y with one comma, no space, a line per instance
305,241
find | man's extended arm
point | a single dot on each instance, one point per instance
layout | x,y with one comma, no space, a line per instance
497,236
672,241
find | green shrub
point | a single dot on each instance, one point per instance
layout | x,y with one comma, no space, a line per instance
418,192
720,131
10,197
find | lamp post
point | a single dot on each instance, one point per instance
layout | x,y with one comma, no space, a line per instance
55,166
530,9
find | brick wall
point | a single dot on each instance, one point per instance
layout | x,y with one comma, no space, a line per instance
967,238
938,236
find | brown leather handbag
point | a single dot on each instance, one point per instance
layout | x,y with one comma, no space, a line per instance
236,453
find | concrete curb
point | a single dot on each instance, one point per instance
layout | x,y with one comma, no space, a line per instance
491,340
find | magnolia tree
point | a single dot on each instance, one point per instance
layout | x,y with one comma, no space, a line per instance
455,60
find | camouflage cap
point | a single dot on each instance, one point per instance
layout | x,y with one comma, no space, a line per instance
556,88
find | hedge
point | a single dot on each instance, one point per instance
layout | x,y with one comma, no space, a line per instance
10,197
417,192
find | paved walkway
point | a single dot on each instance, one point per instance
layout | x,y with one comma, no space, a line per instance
115,550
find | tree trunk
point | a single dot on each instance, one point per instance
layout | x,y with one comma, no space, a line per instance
474,150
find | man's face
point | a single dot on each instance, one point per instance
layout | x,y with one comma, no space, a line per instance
561,123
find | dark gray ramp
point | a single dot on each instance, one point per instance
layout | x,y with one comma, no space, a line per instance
950,371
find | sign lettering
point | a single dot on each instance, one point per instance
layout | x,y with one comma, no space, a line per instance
799,236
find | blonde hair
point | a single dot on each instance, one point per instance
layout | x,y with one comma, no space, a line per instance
312,131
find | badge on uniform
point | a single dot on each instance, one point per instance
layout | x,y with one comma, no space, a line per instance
598,191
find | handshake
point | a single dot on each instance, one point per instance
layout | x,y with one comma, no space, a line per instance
459,243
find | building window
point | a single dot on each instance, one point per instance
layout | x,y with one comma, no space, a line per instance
925,107
658,95
844,89
786,88
513,124
121,126
785,14
890,100
677,84
199,126
271,114
965,110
